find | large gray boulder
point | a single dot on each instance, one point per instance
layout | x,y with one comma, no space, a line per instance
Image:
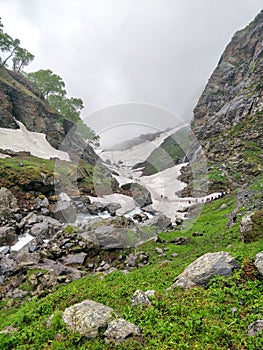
199,272
160,221
64,210
119,330
88,317
8,235
7,201
251,227
259,262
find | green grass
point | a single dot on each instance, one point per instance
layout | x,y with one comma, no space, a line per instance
194,319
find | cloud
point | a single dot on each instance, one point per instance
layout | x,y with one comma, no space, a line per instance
160,52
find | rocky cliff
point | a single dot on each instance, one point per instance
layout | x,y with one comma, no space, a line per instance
228,116
20,103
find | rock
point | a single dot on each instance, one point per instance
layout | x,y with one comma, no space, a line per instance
180,240
46,227
174,255
179,221
8,235
259,262
150,293
7,201
139,298
251,227
88,317
141,217
119,330
245,227
197,234
7,266
63,210
135,259
199,272
255,327
42,202
110,237
160,221
112,208
74,259
159,250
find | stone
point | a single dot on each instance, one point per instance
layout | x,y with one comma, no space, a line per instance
119,330
159,250
74,259
150,293
139,298
246,226
255,327
7,265
88,317
8,235
63,210
160,221
112,208
251,227
259,262
7,201
180,240
199,272
136,258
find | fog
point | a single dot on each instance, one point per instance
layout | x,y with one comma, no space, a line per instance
112,52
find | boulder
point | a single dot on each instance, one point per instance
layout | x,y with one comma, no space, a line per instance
251,227
160,221
140,298
74,259
88,317
135,259
112,208
255,327
199,272
7,201
259,262
63,210
8,235
7,266
111,237
119,330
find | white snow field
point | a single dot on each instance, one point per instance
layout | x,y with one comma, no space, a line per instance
138,153
24,140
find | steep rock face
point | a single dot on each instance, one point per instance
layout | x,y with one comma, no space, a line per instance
228,118
234,90
19,101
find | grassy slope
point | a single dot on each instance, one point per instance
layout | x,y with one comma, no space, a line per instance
170,152
194,319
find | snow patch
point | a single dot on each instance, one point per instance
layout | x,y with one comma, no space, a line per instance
24,140
22,241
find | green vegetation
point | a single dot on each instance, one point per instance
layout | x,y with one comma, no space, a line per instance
172,151
28,173
214,318
52,88
10,48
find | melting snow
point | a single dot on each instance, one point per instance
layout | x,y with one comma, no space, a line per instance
22,241
29,141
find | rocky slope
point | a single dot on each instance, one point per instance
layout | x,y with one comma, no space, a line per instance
228,118
29,116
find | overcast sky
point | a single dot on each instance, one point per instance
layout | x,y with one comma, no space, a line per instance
109,52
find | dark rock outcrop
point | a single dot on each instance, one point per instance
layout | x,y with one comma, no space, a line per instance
228,118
